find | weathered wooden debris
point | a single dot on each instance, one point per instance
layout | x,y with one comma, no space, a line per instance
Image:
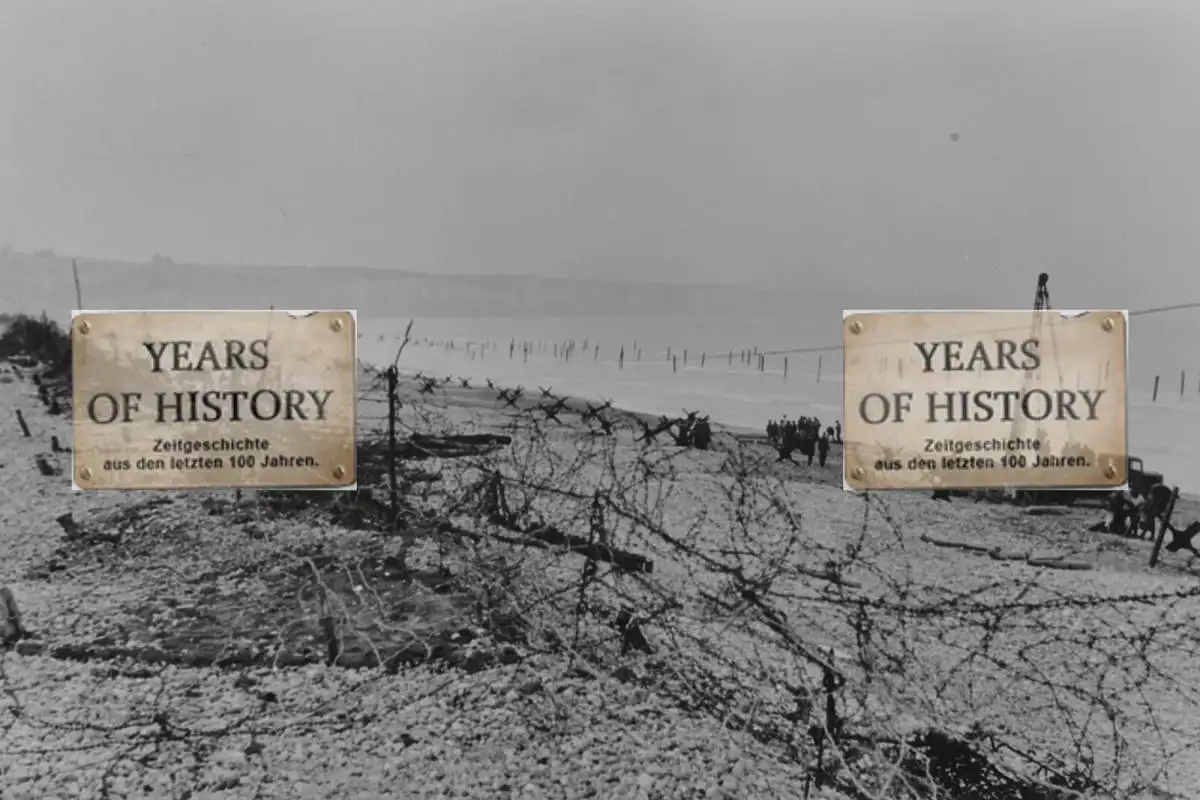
12,628
830,575
421,446
1046,561
24,425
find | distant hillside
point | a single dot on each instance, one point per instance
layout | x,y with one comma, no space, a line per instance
43,281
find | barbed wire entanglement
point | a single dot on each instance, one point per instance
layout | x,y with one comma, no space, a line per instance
596,574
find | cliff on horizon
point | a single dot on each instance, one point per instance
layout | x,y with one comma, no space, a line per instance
43,281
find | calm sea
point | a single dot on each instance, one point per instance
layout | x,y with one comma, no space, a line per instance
1165,433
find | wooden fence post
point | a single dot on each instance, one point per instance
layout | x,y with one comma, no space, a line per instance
1163,525
393,407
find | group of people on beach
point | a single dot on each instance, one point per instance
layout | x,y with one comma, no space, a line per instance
804,434
1135,513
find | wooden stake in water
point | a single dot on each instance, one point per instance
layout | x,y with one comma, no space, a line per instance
685,357
621,358
1182,380
674,364
785,367
731,358
820,360
1154,399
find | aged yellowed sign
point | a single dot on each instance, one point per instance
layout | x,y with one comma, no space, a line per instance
985,400
214,399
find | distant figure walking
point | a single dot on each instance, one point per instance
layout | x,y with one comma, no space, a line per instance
837,427
822,449
702,434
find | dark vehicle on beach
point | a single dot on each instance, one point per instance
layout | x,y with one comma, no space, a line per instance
1140,483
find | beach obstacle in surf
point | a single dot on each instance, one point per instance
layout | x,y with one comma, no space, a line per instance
785,367
24,425
1154,397
820,361
1164,524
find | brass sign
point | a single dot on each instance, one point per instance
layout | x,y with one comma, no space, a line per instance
985,400
214,399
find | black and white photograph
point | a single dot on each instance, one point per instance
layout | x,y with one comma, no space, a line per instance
473,419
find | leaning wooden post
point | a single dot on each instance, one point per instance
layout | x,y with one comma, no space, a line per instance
1163,525
1154,399
785,367
24,425
674,363
731,358
685,357
1182,380
820,362
393,407
621,358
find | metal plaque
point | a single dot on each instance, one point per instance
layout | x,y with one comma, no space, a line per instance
985,400
214,399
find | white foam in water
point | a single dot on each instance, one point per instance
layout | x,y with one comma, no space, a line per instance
1165,434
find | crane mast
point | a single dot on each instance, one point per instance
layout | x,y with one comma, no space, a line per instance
1041,302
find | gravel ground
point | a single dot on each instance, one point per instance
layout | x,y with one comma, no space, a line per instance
528,730
75,730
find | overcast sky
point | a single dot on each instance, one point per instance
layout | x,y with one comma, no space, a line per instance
745,140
